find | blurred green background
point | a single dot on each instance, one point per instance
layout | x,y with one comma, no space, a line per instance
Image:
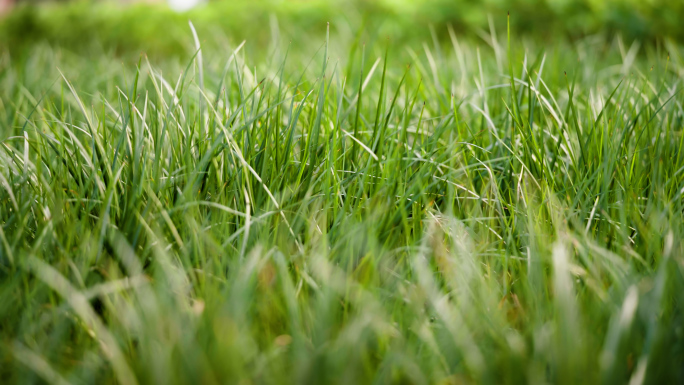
154,28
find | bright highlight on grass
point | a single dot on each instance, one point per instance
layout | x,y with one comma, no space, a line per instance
322,212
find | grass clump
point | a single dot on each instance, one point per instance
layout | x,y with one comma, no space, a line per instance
321,212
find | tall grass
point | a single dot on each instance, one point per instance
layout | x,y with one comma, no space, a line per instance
329,211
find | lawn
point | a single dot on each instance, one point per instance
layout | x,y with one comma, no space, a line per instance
372,200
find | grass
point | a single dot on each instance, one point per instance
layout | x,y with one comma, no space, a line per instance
329,211
134,28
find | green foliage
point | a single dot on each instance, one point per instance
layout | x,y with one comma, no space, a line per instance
110,27
320,212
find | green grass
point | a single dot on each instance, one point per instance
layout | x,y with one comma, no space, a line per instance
90,26
344,209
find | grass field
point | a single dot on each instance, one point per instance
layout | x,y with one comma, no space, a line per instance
336,207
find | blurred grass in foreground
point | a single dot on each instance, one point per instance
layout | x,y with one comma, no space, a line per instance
309,209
